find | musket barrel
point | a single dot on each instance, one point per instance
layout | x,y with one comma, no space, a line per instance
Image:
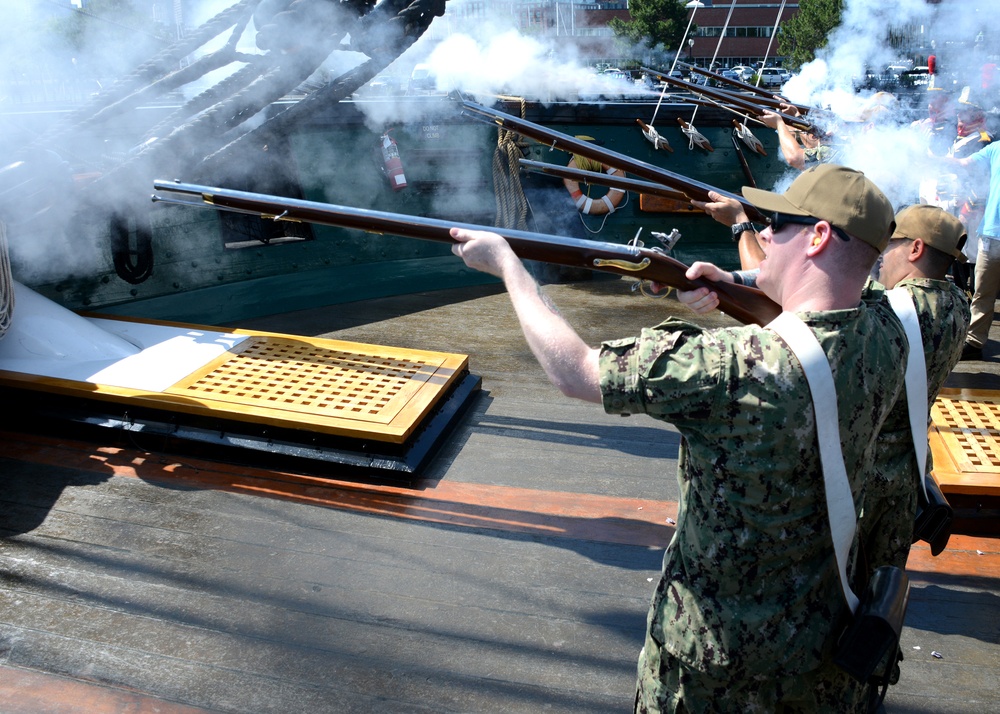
650,172
740,302
762,95
741,101
602,179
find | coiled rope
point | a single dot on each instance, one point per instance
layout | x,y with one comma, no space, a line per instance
512,204
6,283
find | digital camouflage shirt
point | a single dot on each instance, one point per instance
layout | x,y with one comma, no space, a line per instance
749,583
891,496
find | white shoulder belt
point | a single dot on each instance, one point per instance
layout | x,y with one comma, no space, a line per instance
839,501
916,376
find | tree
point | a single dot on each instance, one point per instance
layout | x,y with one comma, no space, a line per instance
808,30
654,22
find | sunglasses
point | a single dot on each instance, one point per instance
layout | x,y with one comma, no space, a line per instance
780,220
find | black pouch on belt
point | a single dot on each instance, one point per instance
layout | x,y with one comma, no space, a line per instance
934,517
874,631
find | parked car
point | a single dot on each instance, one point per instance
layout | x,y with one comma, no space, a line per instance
744,72
917,77
730,74
773,77
422,80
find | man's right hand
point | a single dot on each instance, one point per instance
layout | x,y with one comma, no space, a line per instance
703,300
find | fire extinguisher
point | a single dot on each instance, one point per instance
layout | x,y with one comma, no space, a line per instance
392,165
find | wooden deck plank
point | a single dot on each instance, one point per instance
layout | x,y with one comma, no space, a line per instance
514,577
391,599
24,692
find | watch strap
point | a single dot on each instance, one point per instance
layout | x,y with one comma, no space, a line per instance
740,228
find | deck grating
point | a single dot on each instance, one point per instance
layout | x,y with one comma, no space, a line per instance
965,441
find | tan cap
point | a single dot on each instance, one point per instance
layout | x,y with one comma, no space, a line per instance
842,196
934,226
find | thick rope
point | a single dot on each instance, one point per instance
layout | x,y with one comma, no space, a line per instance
6,283
512,204
120,94
189,141
394,24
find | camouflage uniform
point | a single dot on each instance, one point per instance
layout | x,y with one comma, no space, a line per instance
822,154
891,493
746,609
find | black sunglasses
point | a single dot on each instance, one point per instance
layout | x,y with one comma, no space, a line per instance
780,220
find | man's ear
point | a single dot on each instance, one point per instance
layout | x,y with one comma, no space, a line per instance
917,250
820,239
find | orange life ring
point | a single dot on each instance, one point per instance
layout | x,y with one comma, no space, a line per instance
595,207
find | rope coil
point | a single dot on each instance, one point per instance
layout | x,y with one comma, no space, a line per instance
6,283
512,204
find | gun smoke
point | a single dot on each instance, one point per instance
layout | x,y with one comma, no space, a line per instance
42,76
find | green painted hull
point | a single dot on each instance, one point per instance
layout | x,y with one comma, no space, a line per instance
448,161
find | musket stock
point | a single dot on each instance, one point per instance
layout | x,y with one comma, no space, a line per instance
742,303
557,140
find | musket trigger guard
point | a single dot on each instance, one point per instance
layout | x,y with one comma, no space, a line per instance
622,264
650,294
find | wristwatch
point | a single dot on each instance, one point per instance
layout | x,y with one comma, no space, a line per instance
739,228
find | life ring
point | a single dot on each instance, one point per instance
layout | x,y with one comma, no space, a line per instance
607,203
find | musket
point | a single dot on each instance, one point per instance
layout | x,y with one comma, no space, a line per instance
734,99
762,95
743,159
742,303
599,178
678,102
557,140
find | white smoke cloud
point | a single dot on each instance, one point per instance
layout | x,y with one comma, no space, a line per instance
488,56
892,152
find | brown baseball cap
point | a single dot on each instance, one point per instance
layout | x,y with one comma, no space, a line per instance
844,197
934,226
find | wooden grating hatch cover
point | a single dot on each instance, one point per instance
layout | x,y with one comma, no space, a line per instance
965,441
339,388
372,406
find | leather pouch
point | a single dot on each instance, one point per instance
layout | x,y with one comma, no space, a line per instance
934,517
874,631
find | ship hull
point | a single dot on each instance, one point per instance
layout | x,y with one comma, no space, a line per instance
212,269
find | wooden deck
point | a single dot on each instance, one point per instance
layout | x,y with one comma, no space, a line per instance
965,441
513,577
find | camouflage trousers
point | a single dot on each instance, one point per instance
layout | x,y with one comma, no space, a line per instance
665,686
887,521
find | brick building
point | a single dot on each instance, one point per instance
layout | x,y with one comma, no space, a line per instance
584,26
747,38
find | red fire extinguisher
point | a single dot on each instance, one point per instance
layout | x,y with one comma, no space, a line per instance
392,165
